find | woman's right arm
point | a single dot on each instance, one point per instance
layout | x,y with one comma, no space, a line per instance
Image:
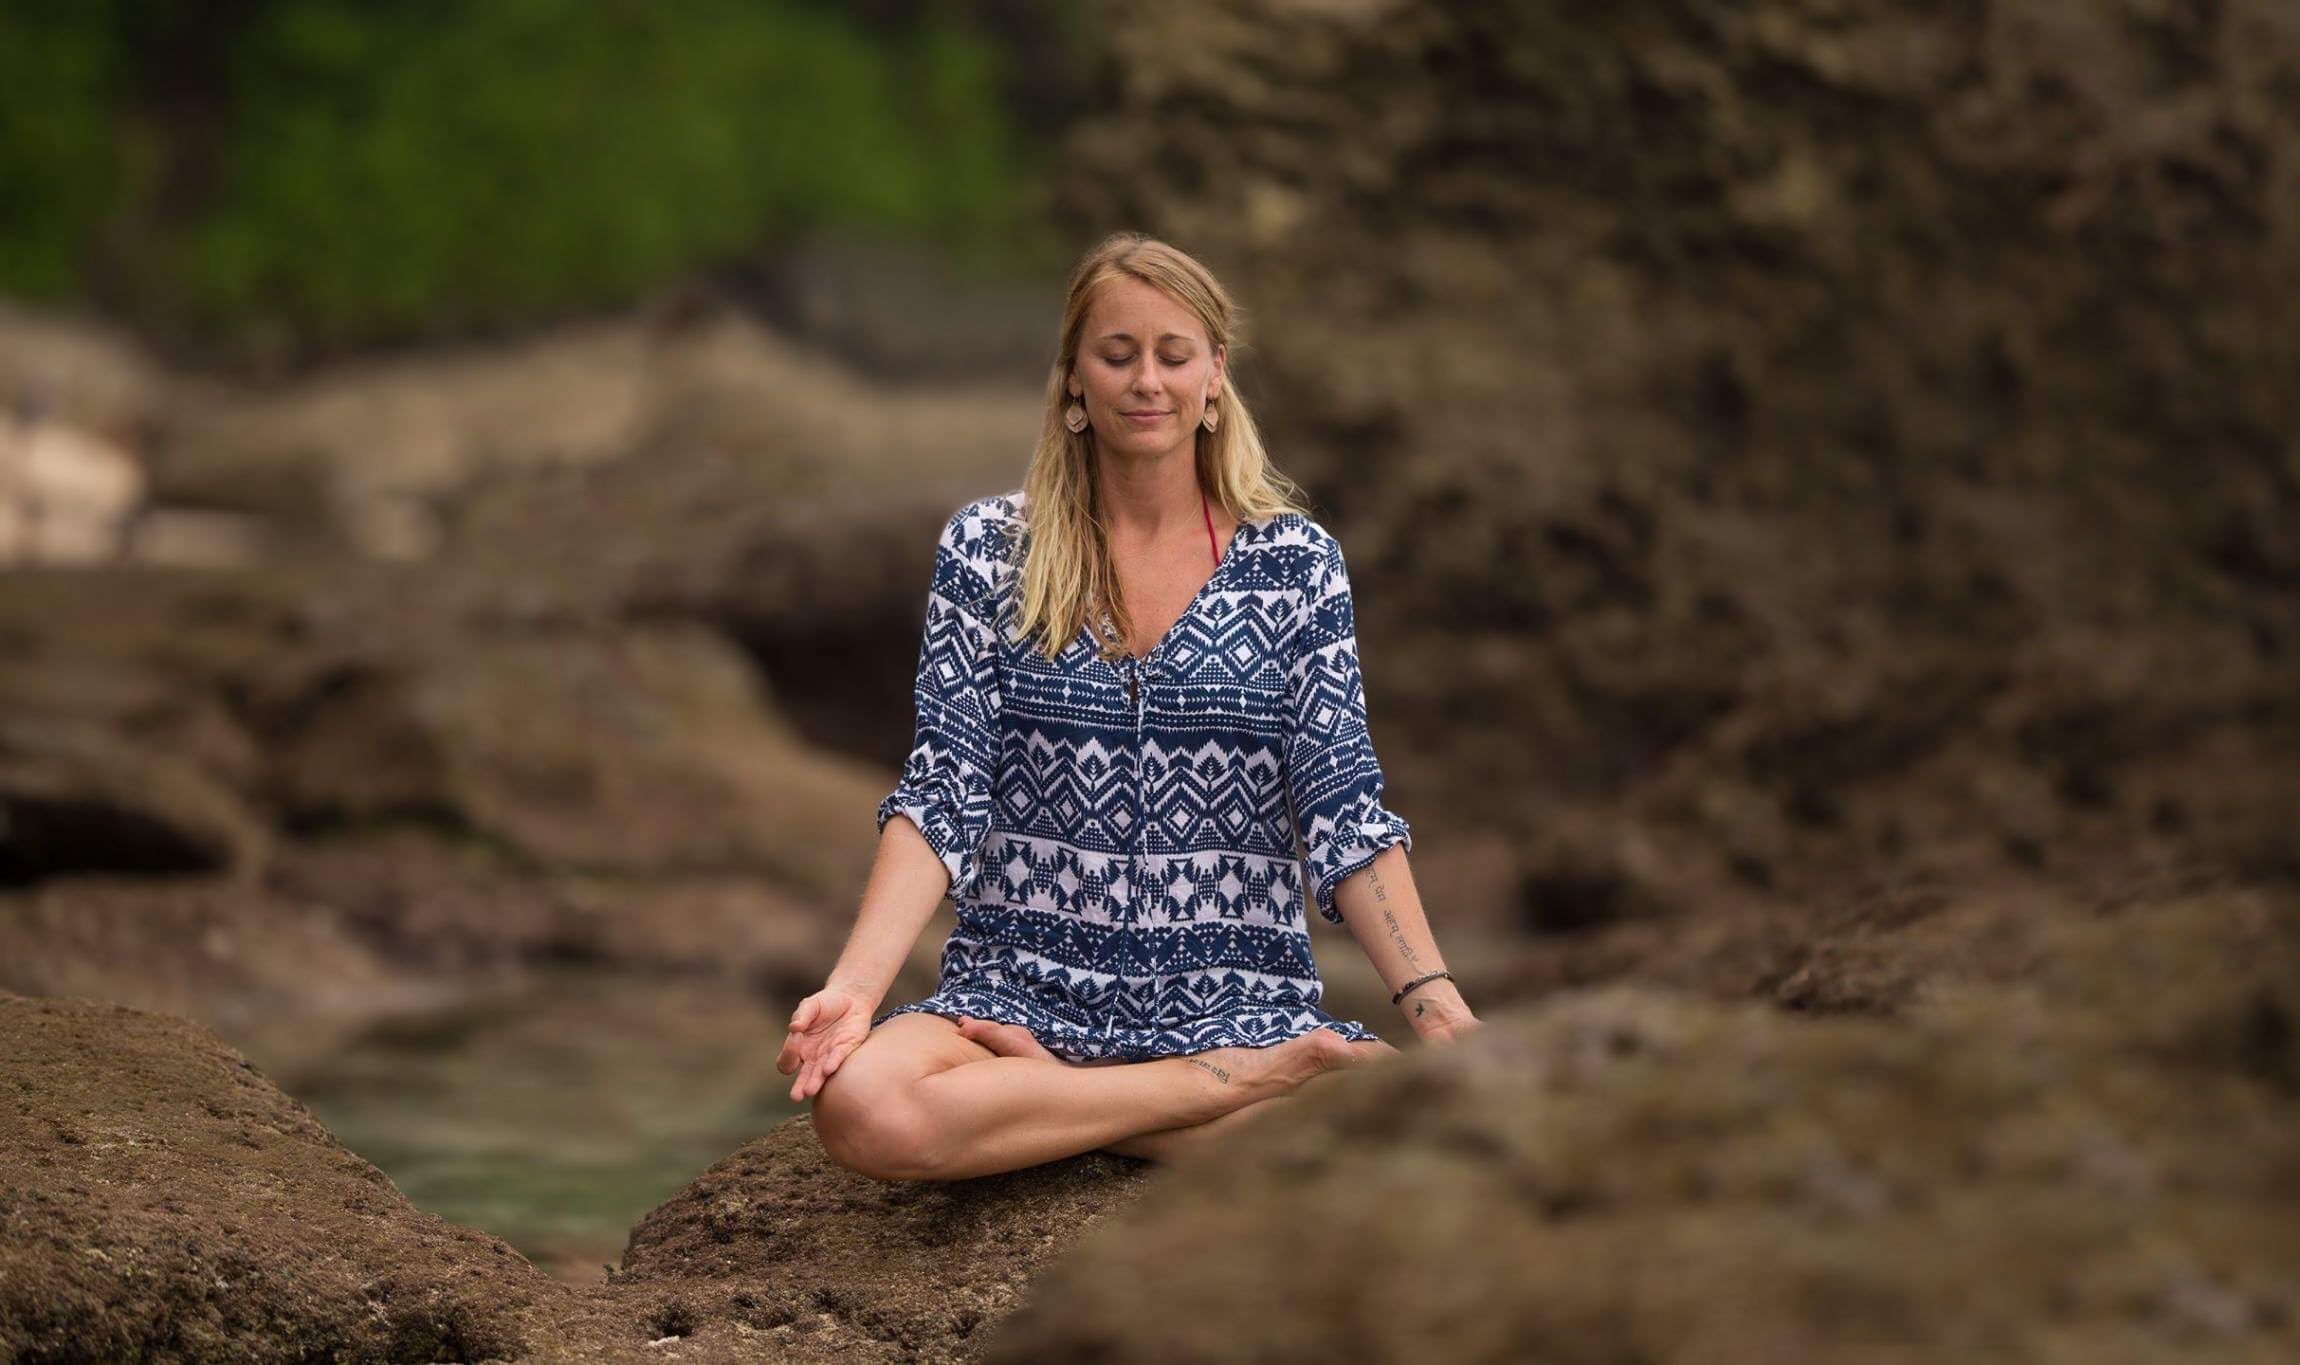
907,882
943,799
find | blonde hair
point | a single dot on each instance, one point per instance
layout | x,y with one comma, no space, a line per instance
1067,578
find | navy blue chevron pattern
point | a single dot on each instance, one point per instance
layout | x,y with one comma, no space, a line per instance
1132,878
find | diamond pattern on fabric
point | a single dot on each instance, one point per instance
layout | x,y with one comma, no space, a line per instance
1131,878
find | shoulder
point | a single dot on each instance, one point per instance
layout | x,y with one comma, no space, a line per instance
1301,553
975,550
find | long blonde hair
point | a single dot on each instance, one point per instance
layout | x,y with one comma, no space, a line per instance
1067,578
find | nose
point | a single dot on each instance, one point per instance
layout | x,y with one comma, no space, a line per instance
1145,378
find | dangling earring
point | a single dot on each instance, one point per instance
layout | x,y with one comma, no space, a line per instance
1074,416
1212,419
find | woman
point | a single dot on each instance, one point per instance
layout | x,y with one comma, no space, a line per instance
1138,671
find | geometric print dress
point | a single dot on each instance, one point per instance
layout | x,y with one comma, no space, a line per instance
1132,844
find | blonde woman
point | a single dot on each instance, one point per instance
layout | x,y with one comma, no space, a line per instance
1139,679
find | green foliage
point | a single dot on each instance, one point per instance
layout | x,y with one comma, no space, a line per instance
60,136
380,171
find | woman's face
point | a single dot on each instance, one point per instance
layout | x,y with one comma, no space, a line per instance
1144,370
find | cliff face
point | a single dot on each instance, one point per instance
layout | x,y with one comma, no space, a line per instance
1780,446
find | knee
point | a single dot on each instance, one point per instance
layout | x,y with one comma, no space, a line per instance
873,1125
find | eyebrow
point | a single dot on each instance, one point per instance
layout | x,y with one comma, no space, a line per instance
1128,336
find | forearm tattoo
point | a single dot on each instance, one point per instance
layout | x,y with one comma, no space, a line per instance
1398,937
1219,1073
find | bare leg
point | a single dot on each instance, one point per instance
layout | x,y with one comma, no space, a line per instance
1171,1143
1013,1040
903,1106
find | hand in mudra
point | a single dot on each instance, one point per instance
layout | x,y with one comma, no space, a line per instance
824,1028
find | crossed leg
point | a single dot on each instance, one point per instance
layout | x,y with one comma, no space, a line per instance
921,1100
1013,1040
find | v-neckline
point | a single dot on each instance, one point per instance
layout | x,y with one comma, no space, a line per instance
1221,566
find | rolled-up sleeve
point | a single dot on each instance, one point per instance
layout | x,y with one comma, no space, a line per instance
1330,764
946,781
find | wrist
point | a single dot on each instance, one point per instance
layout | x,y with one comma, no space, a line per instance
1435,1007
861,992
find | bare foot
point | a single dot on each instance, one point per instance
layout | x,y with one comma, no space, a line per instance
1239,1076
1007,1040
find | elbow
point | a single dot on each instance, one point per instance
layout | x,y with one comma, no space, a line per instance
948,829
1338,859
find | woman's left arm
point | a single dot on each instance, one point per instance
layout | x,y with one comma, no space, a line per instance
1384,912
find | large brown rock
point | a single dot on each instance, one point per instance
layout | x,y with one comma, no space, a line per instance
160,1198
646,751
235,958
78,798
833,1266
2095,1162
1851,440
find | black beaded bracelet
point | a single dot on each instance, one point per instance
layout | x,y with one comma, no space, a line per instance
1418,981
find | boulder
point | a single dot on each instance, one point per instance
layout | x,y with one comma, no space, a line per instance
161,1198
2093,1162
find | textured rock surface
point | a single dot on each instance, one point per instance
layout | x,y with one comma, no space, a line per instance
835,1267
2096,1163
1838,445
160,1198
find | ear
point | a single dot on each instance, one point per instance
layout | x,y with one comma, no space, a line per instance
1075,389
1214,385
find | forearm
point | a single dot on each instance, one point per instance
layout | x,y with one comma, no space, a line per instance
1384,912
907,881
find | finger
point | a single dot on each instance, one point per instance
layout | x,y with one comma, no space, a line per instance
805,1013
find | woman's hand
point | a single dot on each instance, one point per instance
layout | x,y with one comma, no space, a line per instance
824,1028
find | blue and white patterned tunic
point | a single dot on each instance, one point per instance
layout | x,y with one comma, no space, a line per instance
1123,858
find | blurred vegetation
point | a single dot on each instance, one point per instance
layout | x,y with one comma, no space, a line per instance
283,175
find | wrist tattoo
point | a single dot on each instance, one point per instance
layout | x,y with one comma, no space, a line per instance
1221,1074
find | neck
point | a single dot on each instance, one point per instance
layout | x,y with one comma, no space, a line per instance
1150,499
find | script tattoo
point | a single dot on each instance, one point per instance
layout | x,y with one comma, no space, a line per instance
1221,1074
1398,936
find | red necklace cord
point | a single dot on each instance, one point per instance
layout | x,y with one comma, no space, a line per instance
1211,544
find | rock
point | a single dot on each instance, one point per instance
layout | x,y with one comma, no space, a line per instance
76,798
2096,1161
161,1198
778,1239
452,908
1734,417
228,955
67,494
649,751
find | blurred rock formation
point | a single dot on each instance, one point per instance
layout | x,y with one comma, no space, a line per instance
1835,448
